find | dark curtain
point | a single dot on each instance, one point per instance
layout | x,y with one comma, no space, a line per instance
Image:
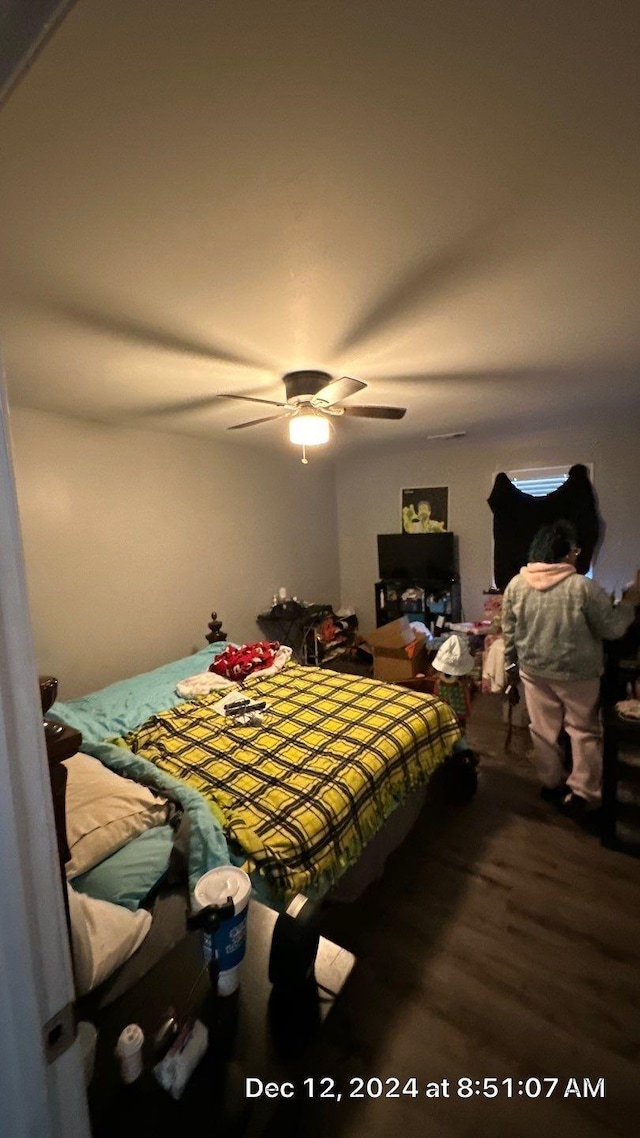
517,517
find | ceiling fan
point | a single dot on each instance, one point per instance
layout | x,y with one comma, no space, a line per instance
313,398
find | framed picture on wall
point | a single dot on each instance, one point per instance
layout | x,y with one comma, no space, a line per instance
425,510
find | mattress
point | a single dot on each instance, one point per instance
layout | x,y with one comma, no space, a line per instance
303,792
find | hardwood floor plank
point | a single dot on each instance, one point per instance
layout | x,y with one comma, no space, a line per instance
502,941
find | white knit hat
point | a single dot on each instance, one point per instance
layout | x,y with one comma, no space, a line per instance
454,658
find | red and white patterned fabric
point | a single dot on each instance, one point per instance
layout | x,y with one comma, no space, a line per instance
236,663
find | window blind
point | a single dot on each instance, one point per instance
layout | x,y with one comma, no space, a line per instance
541,486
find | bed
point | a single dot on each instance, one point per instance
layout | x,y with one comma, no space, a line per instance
338,767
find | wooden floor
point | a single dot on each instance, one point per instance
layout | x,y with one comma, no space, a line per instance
503,942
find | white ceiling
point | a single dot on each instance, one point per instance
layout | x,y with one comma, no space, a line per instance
439,198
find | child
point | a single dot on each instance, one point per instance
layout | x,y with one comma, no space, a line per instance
454,685
454,663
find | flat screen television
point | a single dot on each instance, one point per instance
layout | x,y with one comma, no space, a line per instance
419,556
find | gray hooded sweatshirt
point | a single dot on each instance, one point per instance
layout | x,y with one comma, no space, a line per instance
554,622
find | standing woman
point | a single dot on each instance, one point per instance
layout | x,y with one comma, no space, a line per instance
554,622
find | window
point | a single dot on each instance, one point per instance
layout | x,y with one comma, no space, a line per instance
539,482
542,480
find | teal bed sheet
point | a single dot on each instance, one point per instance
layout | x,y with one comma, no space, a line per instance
116,710
119,708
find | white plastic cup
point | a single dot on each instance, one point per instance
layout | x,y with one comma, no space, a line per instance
129,1052
228,943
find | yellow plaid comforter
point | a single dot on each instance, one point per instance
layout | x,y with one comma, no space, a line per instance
303,792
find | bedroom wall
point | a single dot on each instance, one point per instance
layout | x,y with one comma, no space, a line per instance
131,538
369,486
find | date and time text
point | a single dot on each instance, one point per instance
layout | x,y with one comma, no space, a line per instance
462,1088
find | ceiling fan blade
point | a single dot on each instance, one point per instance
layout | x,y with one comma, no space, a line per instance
375,412
253,399
338,390
254,422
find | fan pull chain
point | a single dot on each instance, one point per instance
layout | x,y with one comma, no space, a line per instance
305,460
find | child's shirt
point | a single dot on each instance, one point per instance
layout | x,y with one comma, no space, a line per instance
456,692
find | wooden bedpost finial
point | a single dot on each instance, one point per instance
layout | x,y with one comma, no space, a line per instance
215,629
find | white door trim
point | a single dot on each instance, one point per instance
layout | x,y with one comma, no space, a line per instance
37,1099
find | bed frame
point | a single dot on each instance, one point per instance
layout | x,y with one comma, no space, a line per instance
455,782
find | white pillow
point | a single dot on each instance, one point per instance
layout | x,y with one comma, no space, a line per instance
103,936
104,811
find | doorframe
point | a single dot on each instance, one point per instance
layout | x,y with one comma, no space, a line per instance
38,1095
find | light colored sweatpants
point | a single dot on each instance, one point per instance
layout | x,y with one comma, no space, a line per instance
572,704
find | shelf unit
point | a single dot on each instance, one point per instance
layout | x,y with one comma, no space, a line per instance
418,579
439,605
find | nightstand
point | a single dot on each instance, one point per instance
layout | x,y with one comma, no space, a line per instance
254,1032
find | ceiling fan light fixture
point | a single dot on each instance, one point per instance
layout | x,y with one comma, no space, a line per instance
309,429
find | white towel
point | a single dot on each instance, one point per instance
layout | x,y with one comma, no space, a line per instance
494,676
202,684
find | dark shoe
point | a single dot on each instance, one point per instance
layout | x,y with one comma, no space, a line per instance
574,806
586,813
555,794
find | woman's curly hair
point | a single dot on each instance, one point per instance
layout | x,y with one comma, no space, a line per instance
552,543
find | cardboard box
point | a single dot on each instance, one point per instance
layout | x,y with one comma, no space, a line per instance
426,685
399,653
